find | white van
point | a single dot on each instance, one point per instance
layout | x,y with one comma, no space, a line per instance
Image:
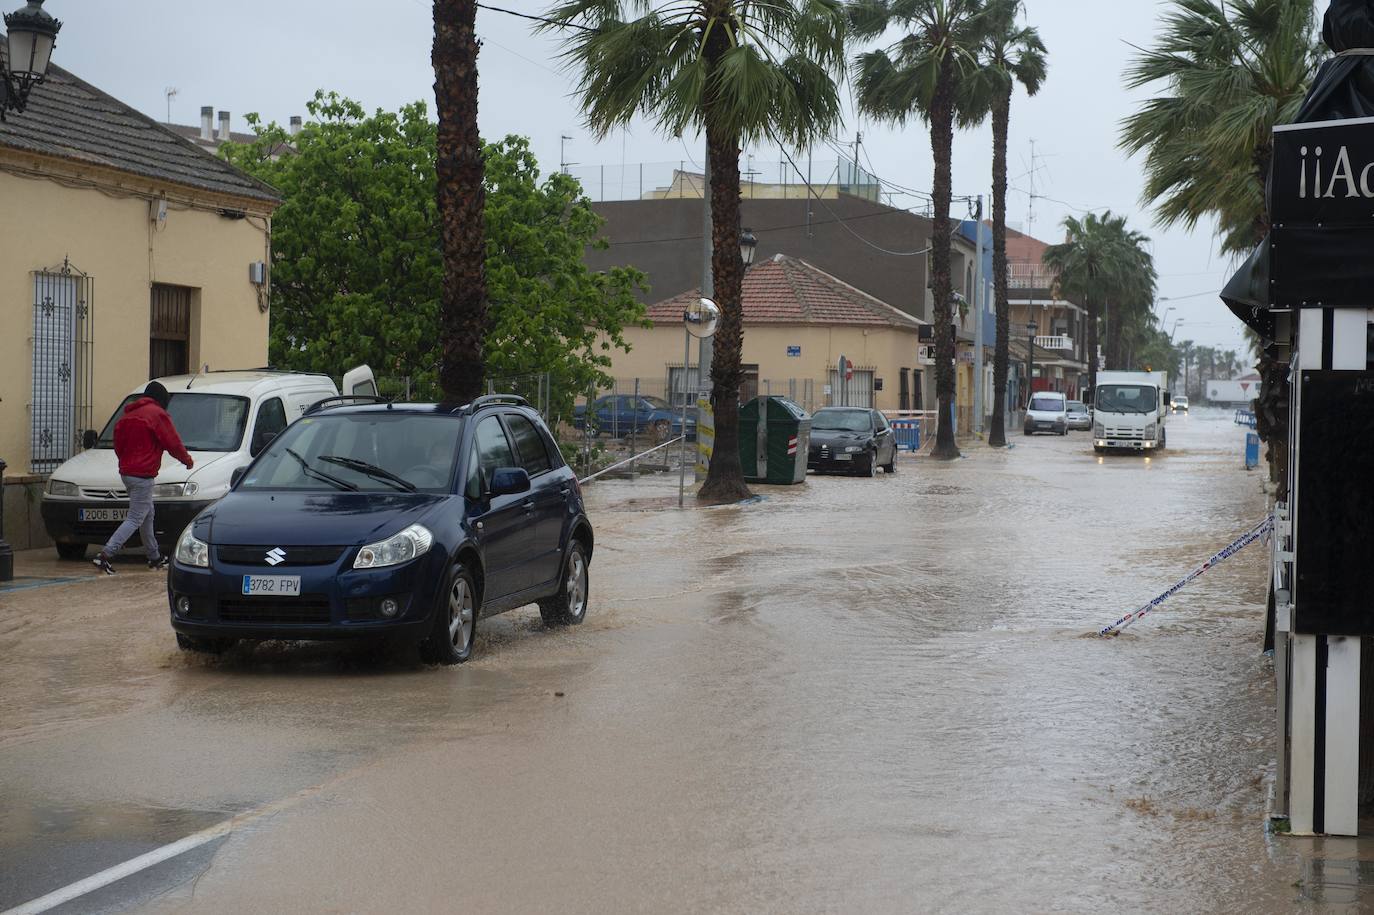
1047,411
224,418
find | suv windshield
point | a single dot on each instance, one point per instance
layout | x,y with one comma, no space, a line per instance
1126,398
370,452
1076,406
842,421
1047,404
205,422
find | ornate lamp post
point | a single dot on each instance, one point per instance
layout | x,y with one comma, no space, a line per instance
748,245
32,34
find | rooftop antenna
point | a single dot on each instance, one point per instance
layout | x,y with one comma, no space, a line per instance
1030,211
171,93
563,162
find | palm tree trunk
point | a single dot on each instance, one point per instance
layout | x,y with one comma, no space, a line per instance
461,200
1001,118
941,144
725,478
1092,343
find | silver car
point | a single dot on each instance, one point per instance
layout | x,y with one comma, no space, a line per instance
1079,417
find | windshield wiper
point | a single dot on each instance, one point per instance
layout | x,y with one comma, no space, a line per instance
372,470
320,474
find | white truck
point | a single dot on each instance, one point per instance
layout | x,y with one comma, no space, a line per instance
1130,410
224,418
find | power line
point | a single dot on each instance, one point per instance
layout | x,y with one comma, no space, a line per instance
543,19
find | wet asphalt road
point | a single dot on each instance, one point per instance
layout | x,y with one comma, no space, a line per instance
857,695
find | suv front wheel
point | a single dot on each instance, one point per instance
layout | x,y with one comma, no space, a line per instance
569,606
455,621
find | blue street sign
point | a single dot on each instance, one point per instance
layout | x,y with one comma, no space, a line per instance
794,351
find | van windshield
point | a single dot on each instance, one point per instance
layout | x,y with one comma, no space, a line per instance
1046,404
1126,398
205,422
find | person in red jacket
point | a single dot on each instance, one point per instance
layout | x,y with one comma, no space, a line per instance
141,435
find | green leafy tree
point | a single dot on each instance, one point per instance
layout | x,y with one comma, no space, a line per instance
739,71
1010,54
922,75
358,265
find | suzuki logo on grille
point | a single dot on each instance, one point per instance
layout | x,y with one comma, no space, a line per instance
275,556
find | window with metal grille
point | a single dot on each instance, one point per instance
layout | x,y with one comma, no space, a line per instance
62,385
169,343
856,392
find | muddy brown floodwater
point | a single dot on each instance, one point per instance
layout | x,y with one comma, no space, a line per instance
856,695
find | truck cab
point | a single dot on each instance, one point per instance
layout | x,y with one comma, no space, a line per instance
1130,410
224,419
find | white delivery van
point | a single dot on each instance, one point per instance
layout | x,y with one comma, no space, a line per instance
1129,411
224,419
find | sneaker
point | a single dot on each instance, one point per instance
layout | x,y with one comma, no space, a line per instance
158,564
103,564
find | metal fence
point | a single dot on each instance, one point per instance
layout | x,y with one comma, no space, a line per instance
759,179
63,331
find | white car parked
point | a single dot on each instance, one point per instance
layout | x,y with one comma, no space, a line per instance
223,418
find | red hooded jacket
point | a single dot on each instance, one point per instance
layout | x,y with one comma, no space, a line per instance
142,434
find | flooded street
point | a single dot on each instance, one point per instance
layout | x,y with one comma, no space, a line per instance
855,695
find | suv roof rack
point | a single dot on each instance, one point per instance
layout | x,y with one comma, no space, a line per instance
340,400
514,400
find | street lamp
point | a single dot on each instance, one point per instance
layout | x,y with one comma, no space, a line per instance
1175,330
1031,328
748,245
700,320
32,36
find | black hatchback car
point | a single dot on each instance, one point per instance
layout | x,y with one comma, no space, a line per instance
851,440
409,522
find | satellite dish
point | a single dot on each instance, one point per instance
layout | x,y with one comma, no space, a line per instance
702,318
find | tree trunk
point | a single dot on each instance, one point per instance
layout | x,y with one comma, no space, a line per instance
1001,118
461,200
725,478
941,144
1092,344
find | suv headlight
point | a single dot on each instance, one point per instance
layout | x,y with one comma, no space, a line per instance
175,490
407,545
62,488
192,552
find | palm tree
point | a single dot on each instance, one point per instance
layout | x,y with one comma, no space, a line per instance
740,71
1009,54
1185,349
461,201
1230,71
922,75
1099,259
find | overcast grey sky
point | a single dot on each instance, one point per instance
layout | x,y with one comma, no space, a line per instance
270,57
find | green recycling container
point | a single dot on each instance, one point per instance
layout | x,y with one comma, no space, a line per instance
783,444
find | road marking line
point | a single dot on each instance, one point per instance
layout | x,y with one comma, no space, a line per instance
155,857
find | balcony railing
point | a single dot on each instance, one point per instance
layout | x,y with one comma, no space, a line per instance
1031,276
1055,341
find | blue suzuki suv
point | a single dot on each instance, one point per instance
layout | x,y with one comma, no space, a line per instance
403,521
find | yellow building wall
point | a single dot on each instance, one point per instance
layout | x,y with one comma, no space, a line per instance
114,240
884,350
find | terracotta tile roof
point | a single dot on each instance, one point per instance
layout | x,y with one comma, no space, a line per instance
788,290
72,119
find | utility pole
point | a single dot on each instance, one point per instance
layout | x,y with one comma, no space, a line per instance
978,318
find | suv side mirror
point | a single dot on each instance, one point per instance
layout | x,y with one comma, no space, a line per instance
236,476
509,481
89,439
260,441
